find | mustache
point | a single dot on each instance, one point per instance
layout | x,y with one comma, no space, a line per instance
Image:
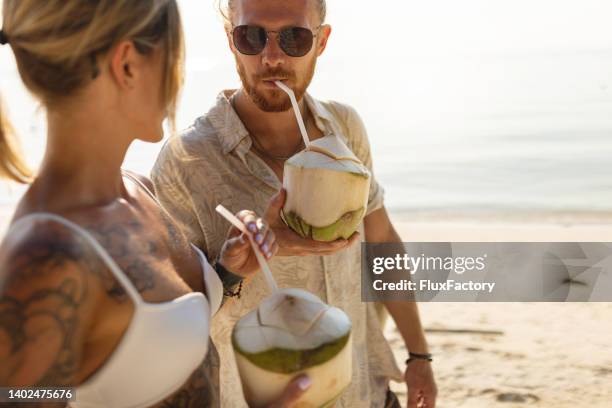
274,73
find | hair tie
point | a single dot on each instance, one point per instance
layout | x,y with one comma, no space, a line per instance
3,38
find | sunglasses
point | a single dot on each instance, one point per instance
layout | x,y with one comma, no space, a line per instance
294,41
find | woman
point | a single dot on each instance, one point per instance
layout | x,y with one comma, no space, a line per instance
98,289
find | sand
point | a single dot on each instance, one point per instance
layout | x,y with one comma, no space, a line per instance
547,355
553,355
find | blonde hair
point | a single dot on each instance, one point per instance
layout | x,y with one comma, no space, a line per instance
226,8
12,165
57,44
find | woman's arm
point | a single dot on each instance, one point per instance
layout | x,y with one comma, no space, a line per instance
48,291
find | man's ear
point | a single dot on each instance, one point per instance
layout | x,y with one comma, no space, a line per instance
123,64
324,33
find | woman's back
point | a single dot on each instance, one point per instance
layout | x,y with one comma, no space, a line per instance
87,318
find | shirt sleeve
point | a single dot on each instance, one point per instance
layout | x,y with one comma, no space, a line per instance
170,180
357,138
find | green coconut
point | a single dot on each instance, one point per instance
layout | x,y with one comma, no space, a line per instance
327,190
293,332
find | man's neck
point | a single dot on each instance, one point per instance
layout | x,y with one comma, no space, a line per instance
276,131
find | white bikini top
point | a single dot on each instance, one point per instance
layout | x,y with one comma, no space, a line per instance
162,346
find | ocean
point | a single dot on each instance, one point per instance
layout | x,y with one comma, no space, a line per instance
477,107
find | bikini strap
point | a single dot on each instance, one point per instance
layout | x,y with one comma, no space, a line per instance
102,253
136,180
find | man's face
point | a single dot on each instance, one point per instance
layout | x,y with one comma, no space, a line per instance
258,72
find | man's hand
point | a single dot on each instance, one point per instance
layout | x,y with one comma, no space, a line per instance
296,388
237,254
290,243
421,385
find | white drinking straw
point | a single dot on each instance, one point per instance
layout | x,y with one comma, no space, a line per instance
260,258
296,110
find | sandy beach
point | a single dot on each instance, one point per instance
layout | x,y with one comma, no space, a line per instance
549,355
552,355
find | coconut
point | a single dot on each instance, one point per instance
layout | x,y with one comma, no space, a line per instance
327,190
291,333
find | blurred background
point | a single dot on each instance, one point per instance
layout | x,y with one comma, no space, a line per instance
489,120
472,106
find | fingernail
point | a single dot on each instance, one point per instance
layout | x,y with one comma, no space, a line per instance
265,248
269,255
304,383
259,238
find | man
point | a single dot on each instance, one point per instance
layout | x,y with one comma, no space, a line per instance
235,154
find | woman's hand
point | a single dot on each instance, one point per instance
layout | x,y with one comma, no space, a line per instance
237,254
272,236
292,393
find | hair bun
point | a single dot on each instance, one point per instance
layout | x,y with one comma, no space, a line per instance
3,38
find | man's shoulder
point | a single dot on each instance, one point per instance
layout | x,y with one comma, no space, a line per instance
197,141
347,119
201,132
340,110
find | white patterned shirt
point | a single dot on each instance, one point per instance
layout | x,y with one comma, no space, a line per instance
212,163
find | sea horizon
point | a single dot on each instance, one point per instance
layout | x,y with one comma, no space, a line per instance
519,122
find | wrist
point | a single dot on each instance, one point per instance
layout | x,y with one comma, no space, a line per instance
229,279
417,345
419,357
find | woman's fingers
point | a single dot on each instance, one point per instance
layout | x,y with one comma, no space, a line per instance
267,246
249,219
292,393
260,232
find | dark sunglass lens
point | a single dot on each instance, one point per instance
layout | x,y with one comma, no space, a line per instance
250,40
296,41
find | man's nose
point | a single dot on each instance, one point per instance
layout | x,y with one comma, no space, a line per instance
272,55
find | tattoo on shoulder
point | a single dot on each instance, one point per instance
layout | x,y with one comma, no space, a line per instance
128,253
44,288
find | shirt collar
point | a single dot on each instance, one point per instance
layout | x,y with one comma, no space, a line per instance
231,130
225,120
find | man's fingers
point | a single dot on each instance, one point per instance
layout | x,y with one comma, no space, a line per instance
430,399
413,398
276,203
310,245
293,392
353,238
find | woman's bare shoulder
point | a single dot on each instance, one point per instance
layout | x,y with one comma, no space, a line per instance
48,294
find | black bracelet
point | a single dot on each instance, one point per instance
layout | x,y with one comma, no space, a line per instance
230,280
236,294
416,356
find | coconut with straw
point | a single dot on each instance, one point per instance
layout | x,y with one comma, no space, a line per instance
291,333
327,186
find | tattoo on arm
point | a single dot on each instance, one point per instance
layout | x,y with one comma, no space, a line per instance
43,287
